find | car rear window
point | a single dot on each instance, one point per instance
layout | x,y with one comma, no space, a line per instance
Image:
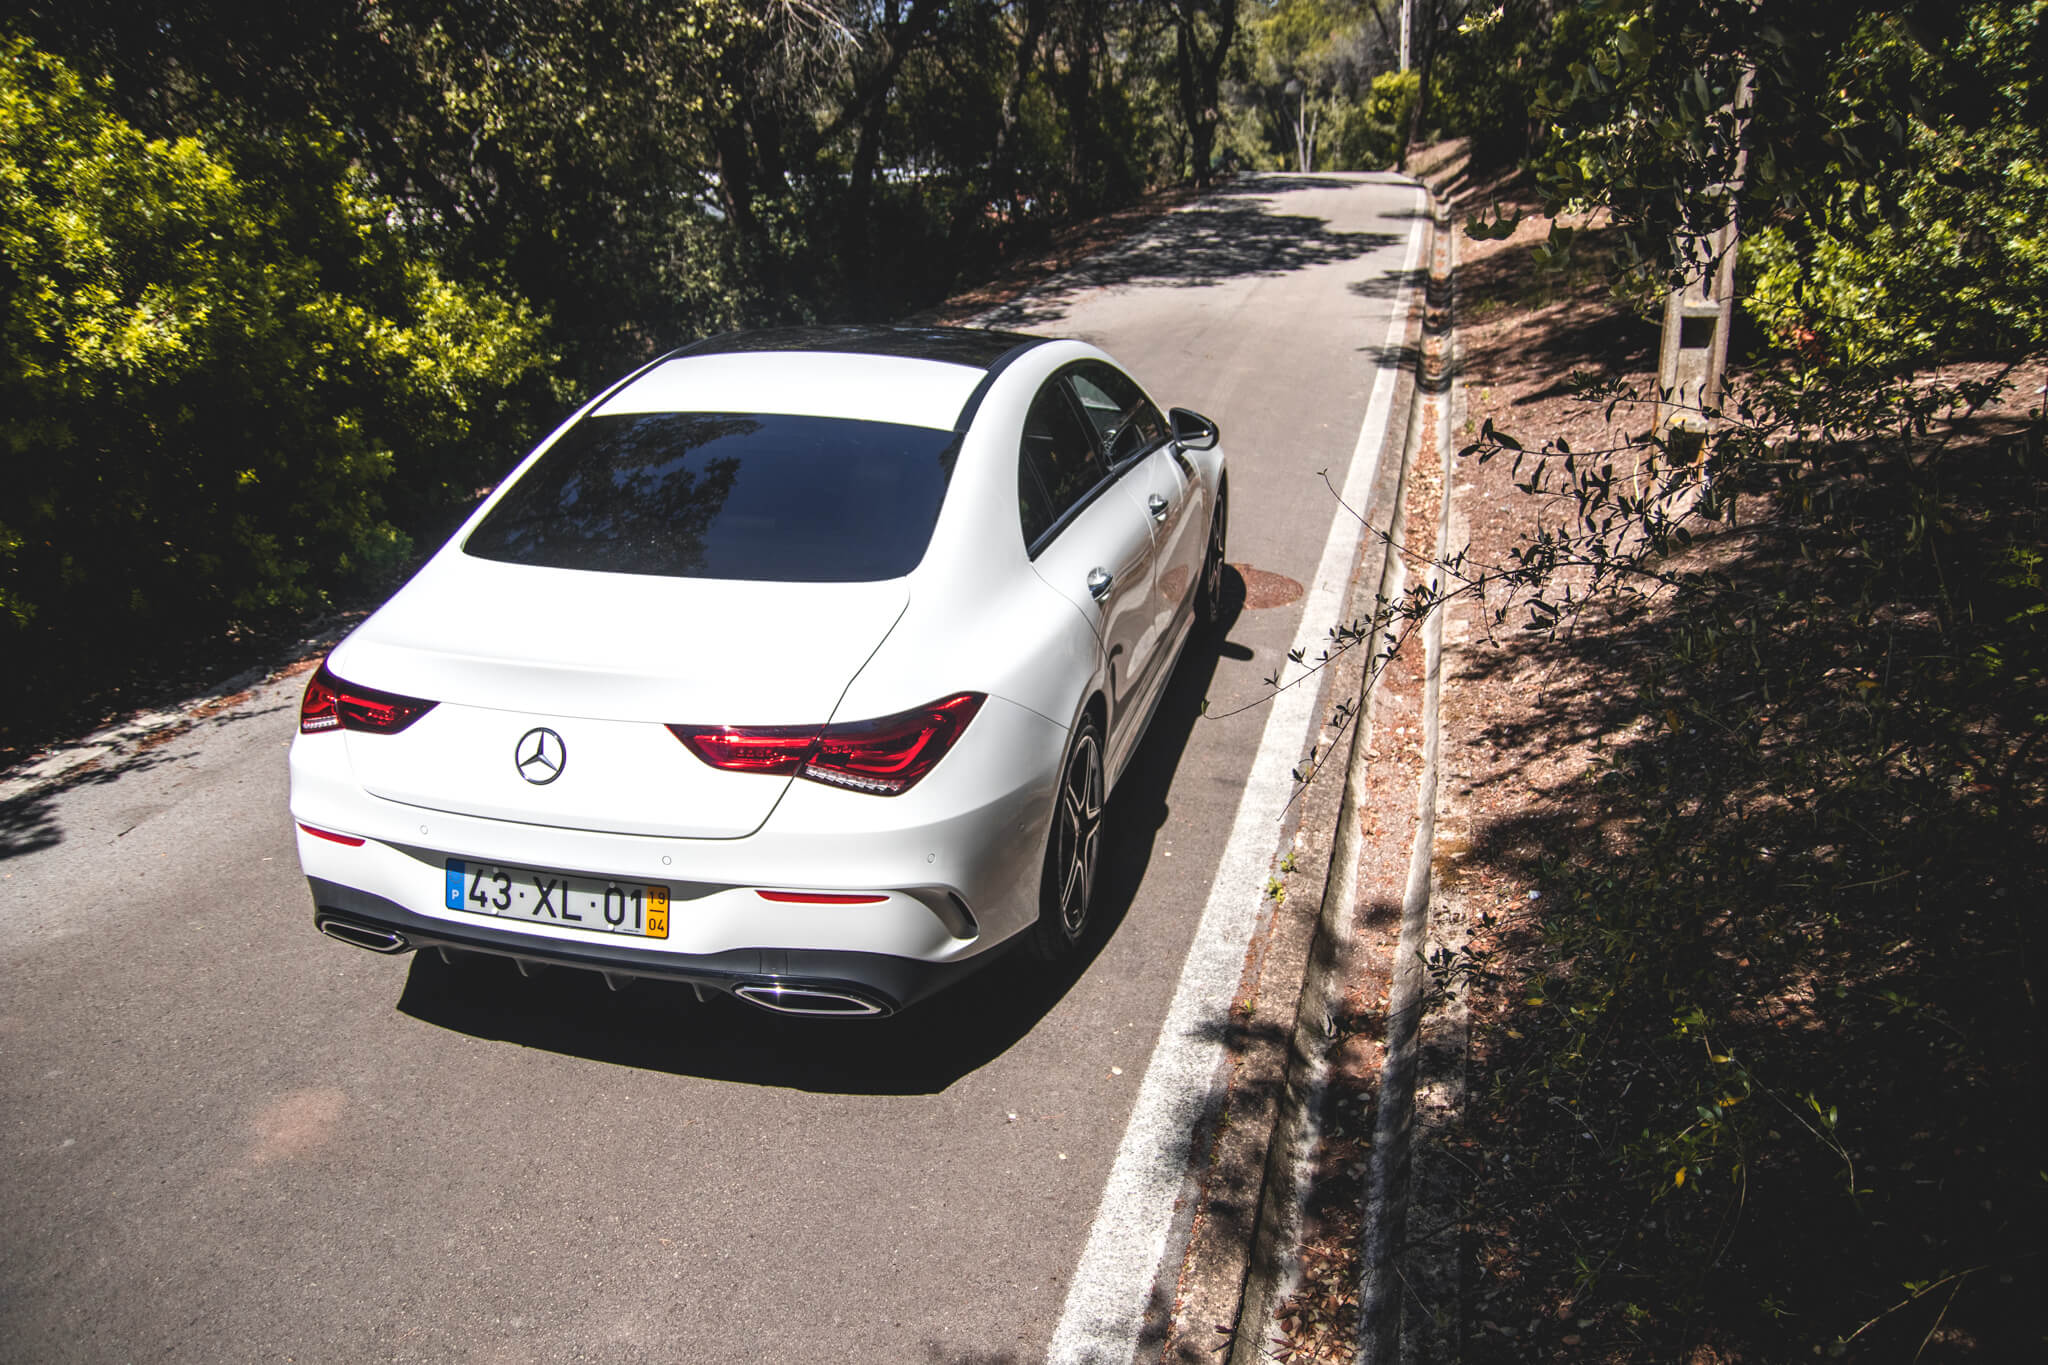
726,495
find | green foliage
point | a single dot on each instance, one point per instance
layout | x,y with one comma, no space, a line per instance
1762,1073
1316,84
287,284
208,376
646,175
1368,134
1944,255
1894,172
558,152
1492,68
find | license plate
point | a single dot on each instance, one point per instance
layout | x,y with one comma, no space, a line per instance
611,907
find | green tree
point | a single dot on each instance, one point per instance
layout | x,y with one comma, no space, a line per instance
412,202
1493,63
1323,77
1895,167
207,376
1204,32
559,150
643,174
1945,253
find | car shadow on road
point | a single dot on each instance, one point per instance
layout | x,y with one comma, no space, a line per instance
660,1026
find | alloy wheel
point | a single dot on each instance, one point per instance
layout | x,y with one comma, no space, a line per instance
1077,833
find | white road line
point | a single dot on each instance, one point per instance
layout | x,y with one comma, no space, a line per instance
1106,1301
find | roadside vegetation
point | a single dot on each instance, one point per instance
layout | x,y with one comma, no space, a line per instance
1756,1046
1756,1057
1748,745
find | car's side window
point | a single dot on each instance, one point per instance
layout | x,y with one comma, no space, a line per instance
1123,416
1059,463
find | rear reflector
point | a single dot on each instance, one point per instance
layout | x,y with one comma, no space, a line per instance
818,898
883,757
348,839
332,704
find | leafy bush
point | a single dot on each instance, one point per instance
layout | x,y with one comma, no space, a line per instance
1489,70
1368,135
207,377
1946,253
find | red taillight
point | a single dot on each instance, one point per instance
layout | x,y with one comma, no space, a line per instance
331,704
891,754
351,840
319,709
819,898
885,757
775,750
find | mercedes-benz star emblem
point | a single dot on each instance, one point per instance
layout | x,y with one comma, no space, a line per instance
541,756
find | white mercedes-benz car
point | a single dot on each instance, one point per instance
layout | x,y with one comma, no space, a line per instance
798,665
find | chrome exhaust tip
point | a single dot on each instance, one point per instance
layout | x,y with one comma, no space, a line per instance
362,935
811,1000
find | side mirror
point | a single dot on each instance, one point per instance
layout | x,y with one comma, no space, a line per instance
1193,430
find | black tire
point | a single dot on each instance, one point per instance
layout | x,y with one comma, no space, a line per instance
1209,595
1073,850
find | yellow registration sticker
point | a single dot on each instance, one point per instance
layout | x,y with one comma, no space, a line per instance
657,912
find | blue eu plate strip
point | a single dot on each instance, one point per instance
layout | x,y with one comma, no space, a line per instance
455,878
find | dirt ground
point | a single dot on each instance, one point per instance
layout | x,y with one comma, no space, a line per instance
1896,1231
1518,335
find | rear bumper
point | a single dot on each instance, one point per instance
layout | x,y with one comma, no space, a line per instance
957,859
787,980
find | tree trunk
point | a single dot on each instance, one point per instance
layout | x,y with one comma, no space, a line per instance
1200,74
1418,116
869,108
1004,160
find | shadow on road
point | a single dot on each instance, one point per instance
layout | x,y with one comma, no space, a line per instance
1392,284
1229,235
658,1026
28,822
1280,182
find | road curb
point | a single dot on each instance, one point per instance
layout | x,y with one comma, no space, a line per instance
1383,1241
1274,1272
1429,1258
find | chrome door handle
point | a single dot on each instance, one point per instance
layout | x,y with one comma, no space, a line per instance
1099,581
1158,506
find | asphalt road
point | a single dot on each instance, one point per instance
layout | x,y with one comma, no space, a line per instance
225,1137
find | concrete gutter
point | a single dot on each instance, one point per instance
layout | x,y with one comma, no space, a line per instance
1232,1197
1274,1272
1419,1054
1383,1237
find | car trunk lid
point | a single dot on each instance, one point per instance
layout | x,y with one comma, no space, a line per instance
554,689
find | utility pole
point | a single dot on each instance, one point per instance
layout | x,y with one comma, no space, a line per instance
1698,312
1404,33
